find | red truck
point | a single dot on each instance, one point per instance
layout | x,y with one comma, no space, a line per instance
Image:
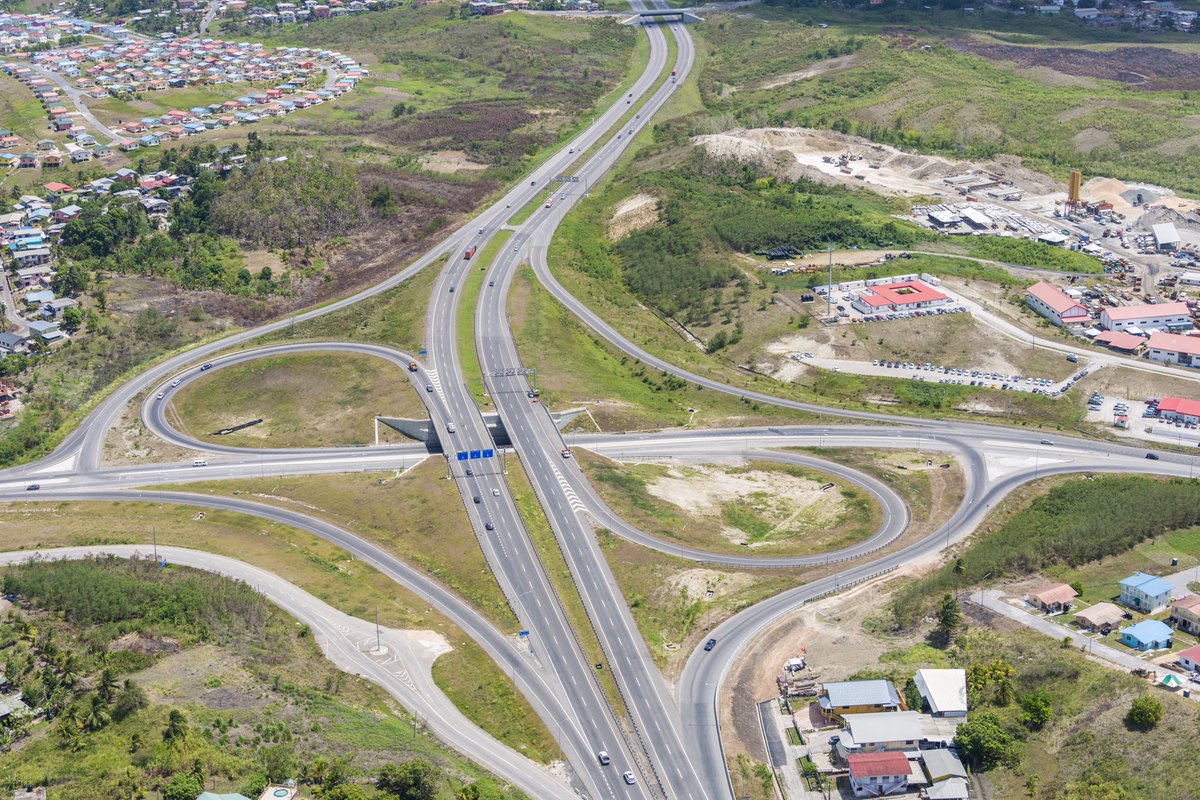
467,255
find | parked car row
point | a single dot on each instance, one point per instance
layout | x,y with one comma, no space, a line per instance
974,377
924,312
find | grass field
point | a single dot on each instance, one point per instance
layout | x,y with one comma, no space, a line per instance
918,85
775,509
395,317
418,516
576,369
304,400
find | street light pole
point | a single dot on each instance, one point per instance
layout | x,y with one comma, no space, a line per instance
829,287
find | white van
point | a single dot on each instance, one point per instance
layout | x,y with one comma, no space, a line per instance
200,462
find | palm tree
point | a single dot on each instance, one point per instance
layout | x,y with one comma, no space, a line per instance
97,716
69,672
177,727
960,569
107,684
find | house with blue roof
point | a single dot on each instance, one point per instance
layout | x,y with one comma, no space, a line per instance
858,697
149,140
1148,594
1149,634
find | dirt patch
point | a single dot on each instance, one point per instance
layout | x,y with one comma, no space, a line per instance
782,504
1090,139
828,634
138,643
826,67
450,161
1150,68
205,675
633,214
705,584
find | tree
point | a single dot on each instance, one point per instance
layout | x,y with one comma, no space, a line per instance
912,696
345,791
177,728
960,569
949,618
984,743
182,786
1144,713
106,684
130,700
1036,709
412,780
97,715
277,762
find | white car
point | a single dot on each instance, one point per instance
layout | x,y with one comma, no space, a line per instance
160,395
174,383
629,779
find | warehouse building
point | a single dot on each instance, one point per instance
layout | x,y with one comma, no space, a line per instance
1162,316
1171,348
1166,237
1056,306
1176,408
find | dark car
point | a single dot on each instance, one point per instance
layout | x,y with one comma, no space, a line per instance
478,499
33,487
206,367
710,644
1152,456
489,526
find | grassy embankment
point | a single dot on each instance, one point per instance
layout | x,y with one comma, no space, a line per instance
775,509
304,400
465,321
189,643
318,567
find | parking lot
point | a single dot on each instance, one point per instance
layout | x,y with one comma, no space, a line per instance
934,373
843,312
1144,422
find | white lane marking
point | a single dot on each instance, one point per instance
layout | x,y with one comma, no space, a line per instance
572,498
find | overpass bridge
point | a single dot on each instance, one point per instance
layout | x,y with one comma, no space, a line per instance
661,15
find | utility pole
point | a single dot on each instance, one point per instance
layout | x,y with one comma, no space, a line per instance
378,643
154,534
829,287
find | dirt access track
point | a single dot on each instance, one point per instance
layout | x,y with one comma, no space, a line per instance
1150,68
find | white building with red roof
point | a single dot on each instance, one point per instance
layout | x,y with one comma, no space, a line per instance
1164,316
1171,348
1189,659
902,296
1173,408
879,774
1057,306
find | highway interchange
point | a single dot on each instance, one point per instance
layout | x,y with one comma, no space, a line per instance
669,739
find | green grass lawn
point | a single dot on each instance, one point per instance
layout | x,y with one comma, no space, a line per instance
418,516
304,400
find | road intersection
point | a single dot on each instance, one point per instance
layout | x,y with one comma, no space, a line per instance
671,741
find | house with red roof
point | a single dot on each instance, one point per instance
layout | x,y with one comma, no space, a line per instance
1189,659
1053,599
901,296
879,774
1172,348
1057,306
54,187
1185,614
1121,341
